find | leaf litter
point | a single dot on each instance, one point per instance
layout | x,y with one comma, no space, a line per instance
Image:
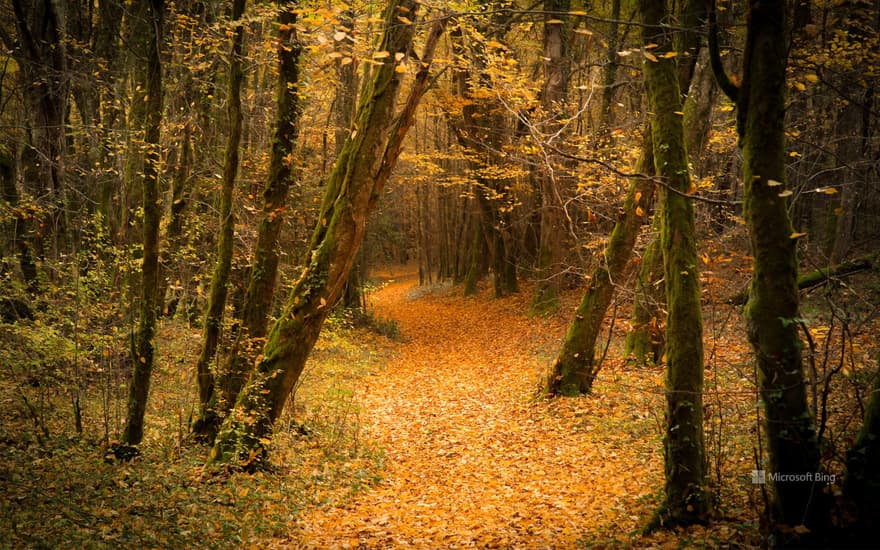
474,455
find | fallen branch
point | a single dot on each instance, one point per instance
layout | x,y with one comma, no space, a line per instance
821,276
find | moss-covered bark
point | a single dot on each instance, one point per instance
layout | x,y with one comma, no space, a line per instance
180,188
686,500
150,20
575,367
772,311
355,184
862,480
260,292
220,277
647,339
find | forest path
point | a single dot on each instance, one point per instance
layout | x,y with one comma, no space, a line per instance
472,459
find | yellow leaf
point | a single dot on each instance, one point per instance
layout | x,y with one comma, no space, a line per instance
401,68
555,22
669,55
797,235
639,211
773,183
786,193
811,78
585,32
649,56
404,20
705,258
381,55
638,196
243,492
828,191
800,86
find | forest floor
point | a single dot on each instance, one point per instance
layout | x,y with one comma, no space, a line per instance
422,425
476,457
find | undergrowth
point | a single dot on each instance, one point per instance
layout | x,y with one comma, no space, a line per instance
62,489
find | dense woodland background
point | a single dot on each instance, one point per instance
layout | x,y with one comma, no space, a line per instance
194,190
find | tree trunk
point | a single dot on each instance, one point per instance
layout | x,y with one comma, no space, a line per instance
645,343
180,189
477,254
149,23
647,339
42,56
575,367
356,182
772,311
220,278
553,98
609,72
260,291
862,478
345,103
19,225
686,500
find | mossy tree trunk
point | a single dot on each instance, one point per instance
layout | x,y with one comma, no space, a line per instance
862,480
686,500
149,19
355,184
575,367
772,310
220,278
260,292
645,343
647,339
345,104
553,99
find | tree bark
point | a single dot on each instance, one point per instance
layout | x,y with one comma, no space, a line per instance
149,23
553,98
772,310
647,339
355,184
862,477
575,367
220,278
260,291
42,56
686,500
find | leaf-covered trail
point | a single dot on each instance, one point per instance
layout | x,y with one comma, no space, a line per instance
472,458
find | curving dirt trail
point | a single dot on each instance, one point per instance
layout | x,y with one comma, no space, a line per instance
473,460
